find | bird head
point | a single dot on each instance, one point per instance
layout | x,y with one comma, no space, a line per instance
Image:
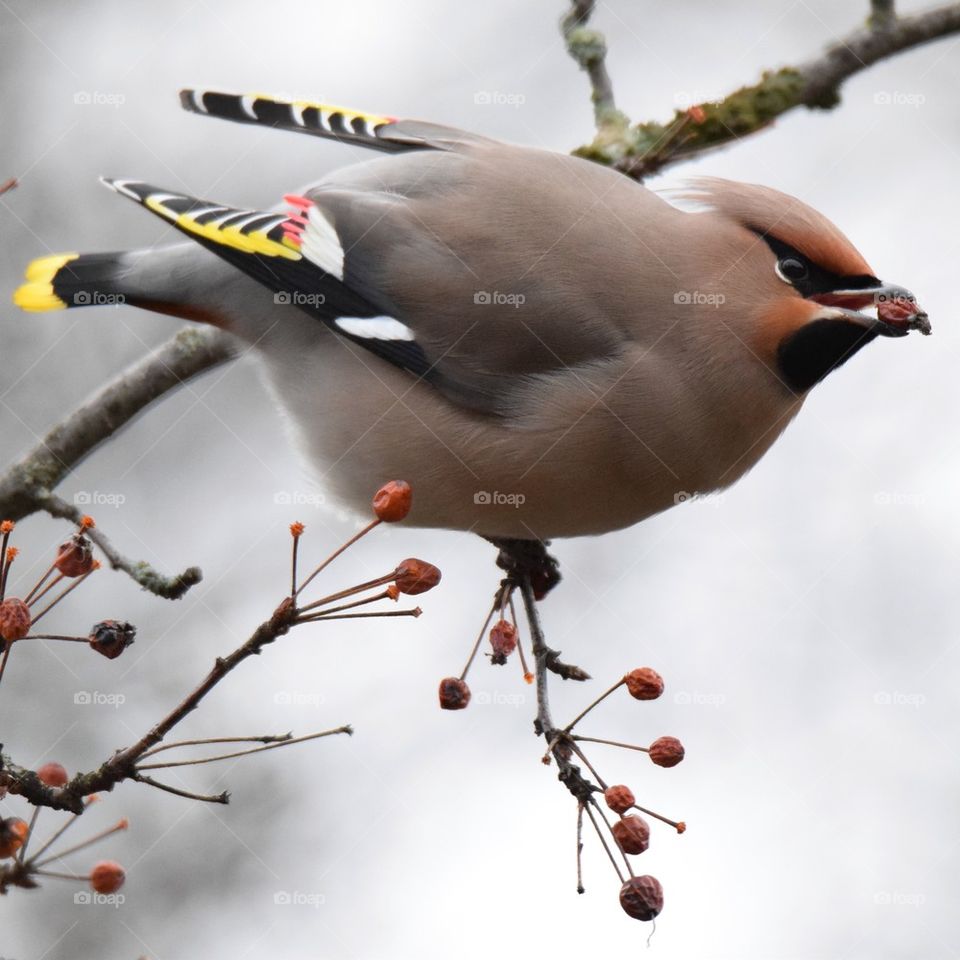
812,284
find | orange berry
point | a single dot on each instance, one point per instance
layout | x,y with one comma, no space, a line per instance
619,798
53,774
454,693
74,556
666,751
632,833
13,831
503,639
392,501
644,683
642,897
414,576
111,637
14,619
107,876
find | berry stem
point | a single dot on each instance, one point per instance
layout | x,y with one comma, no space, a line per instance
350,591
383,595
29,597
603,840
480,636
212,798
586,710
22,852
612,743
580,887
73,586
267,738
336,553
414,612
102,835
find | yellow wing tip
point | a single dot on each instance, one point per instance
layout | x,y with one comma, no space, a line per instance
44,269
37,298
36,295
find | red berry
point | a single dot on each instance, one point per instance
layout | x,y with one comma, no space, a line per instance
642,897
644,683
14,619
392,501
13,831
53,774
503,639
619,798
111,637
454,693
74,556
414,576
107,876
666,751
632,833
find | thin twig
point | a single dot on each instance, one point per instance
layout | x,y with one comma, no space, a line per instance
267,738
206,798
589,48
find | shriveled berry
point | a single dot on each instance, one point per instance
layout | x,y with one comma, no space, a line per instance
107,876
644,683
13,831
53,774
503,639
666,751
74,556
632,833
414,576
454,693
111,637
642,897
14,619
392,501
619,798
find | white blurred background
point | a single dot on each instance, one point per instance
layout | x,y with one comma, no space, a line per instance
806,621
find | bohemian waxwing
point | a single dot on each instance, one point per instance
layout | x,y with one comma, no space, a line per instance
541,346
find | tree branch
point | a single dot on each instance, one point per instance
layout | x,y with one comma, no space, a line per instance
647,148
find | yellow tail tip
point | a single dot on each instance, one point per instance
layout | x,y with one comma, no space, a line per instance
36,295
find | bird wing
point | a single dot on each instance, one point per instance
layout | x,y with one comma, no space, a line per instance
475,269
371,130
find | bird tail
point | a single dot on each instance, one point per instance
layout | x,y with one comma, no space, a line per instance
72,280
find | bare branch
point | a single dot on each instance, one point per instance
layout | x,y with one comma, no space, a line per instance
170,588
589,49
647,148
191,352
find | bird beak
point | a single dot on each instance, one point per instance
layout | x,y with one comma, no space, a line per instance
897,310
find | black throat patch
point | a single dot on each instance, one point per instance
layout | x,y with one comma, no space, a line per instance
809,354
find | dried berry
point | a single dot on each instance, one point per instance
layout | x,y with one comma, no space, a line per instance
454,693
392,501
414,576
13,831
53,774
111,637
619,798
74,556
666,751
503,639
644,683
632,833
642,897
14,619
107,876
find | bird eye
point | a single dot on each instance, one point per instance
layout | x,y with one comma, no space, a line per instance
791,269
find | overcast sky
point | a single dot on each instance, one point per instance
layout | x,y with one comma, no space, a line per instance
805,621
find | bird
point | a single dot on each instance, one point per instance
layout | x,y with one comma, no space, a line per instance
541,346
